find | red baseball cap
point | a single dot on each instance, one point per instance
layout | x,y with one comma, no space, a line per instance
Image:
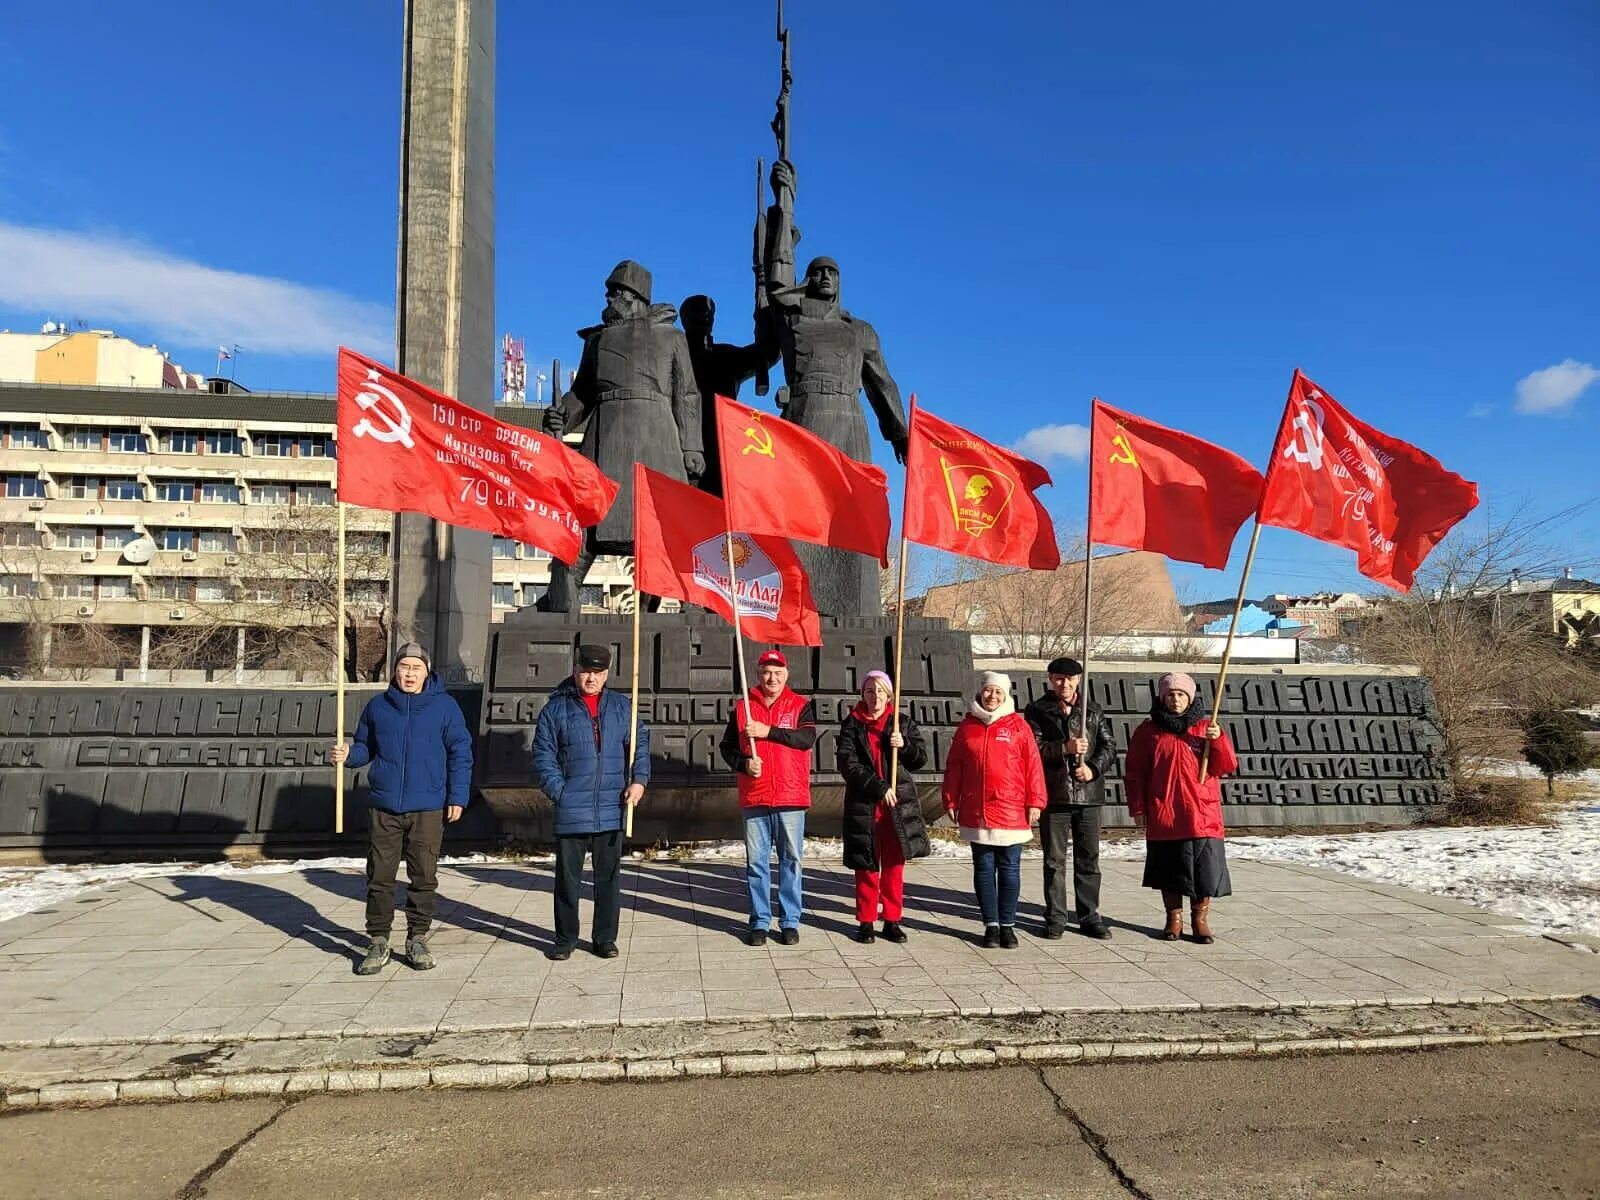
772,658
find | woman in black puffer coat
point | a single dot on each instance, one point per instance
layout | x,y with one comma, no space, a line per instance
881,829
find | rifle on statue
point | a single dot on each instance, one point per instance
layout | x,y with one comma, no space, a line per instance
759,266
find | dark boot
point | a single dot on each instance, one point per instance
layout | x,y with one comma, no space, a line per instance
991,937
376,957
1199,910
866,932
1008,938
892,932
1174,906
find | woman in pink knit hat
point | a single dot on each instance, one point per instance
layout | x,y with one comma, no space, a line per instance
1181,817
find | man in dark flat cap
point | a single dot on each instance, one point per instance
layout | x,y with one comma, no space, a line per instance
580,761
1076,744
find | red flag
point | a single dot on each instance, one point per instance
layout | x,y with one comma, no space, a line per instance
781,479
968,496
408,448
1338,479
681,549
1154,488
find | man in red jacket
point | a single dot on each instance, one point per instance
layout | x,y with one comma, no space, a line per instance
768,742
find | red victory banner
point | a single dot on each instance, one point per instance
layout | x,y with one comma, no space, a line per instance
781,479
1338,479
682,549
408,448
969,496
1154,488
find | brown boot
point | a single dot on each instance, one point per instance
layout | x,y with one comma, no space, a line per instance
1199,910
1174,905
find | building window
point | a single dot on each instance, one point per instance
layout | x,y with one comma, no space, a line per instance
175,539
116,539
269,493
115,587
213,591
178,441
124,489
317,495
220,441
18,587
504,547
29,486
73,587
217,541
505,595
366,543
24,437
592,596
262,591
534,553
315,445
219,492
83,437
178,491
75,537
19,536
83,487
126,441
274,445
165,587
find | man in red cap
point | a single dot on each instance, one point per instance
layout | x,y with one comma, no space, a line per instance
768,742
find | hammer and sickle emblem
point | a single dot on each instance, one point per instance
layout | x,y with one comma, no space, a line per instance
394,429
760,441
1308,438
1124,452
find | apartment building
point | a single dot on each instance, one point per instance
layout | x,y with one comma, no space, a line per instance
152,530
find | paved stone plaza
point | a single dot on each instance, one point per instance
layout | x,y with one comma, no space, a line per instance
258,955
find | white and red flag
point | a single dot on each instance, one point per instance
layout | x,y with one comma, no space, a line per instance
407,448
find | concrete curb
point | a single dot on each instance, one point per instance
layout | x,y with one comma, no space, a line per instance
967,1045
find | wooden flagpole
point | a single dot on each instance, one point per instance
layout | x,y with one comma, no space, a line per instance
338,678
633,712
900,611
738,634
1088,583
1227,649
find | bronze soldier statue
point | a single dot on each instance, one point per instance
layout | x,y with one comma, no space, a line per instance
829,358
719,369
636,397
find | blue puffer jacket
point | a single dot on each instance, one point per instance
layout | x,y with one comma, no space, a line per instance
585,782
419,747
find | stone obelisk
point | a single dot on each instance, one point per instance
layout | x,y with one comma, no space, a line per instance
445,304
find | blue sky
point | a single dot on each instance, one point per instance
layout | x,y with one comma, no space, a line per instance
1166,205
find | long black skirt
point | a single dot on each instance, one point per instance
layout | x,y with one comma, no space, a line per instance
1196,867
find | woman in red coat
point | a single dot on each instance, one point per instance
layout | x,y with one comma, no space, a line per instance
994,790
1181,817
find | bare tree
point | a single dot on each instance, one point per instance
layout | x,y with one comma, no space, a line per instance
1490,654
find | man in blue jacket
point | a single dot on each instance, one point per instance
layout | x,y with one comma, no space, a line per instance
420,751
580,760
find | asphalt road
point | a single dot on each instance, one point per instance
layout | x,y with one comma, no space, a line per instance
1500,1122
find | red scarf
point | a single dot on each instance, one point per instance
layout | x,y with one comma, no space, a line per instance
875,727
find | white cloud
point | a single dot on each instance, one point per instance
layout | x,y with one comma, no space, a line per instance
106,280
1554,389
1055,441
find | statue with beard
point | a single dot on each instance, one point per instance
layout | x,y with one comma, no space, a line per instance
829,359
719,369
635,396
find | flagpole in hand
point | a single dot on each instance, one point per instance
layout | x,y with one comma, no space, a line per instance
338,676
900,619
1227,649
738,642
633,725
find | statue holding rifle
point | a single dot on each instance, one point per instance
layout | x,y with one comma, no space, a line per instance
829,358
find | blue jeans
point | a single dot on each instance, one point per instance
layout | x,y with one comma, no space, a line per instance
765,828
997,878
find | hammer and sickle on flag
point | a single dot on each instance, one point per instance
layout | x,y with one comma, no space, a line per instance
760,440
1124,452
368,399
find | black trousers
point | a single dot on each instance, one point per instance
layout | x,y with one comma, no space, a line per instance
1078,826
606,850
417,836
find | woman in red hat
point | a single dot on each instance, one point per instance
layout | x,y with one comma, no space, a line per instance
1181,816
